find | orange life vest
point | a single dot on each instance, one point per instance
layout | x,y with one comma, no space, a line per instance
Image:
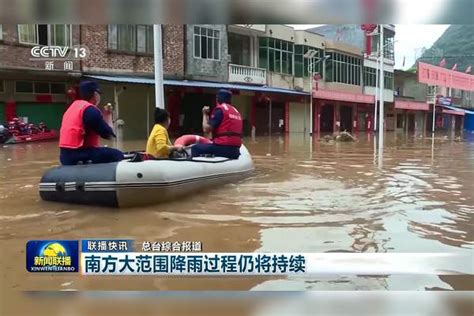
73,134
229,131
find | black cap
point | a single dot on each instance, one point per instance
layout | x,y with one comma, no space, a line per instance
88,87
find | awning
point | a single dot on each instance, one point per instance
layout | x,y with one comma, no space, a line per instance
455,108
446,109
343,96
411,105
199,84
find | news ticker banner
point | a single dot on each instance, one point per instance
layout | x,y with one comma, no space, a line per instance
119,257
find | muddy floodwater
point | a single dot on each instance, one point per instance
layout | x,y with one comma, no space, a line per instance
418,197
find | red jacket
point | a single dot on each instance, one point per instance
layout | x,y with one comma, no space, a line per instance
229,131
73,134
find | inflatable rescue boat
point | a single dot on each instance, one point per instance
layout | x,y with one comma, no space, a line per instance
127,184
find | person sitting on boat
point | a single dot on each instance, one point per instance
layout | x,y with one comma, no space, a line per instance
159,144
81,128
225,124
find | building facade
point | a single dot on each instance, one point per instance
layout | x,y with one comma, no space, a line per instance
410,109
34,88
272,71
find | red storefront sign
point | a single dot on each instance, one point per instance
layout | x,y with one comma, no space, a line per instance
411,105
343,96
439,76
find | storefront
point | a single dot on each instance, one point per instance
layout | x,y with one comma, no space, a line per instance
409,116
264,110
342,111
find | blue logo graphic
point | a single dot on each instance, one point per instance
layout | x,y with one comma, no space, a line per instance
52,256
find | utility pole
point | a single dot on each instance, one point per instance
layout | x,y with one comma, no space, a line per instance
381,99
158,58
376,92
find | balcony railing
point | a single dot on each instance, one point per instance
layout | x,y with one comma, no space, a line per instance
246,74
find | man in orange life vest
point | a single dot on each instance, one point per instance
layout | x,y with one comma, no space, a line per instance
81,128
226,127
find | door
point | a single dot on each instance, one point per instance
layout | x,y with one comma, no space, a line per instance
346,118
362,123
49,113
2,113
327,118
411,122
192,110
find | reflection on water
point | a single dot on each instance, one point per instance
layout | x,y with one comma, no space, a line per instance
343,197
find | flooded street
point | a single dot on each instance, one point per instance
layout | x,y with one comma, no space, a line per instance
303,197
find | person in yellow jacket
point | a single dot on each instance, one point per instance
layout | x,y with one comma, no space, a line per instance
159,144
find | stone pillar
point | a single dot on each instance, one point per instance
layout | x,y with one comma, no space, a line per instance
317,116
355,118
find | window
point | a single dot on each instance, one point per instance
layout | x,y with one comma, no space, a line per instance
41,87
456,93
45,34
276,55
58,88
28,33
388,40
432,90
2,86
302,64
1,33
370,78
24,87
388,80
239,49
131,38
206,43
343,68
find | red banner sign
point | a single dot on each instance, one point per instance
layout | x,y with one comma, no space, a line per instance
439,76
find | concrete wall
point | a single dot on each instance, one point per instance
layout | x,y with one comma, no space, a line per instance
132,108
337,86
410,87
9,83
242,103
388,94
302,83
310,39
299,118
207,69
280,31
279,80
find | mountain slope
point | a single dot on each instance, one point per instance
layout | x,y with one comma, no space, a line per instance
456,45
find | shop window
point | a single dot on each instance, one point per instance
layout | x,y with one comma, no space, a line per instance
58,88
40,87
24,87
